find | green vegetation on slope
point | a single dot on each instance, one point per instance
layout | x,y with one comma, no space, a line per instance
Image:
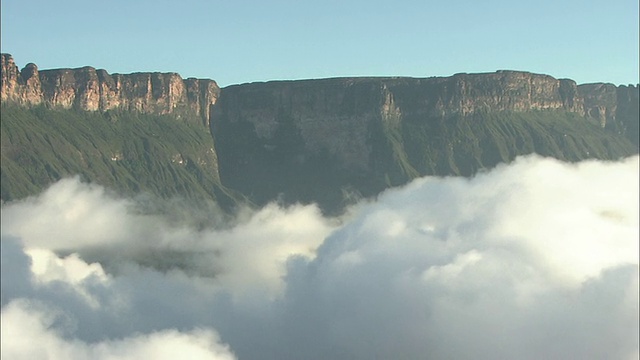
135,153
279,168
128,152
403,147
465,145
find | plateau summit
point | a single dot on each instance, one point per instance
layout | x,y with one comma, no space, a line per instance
328,141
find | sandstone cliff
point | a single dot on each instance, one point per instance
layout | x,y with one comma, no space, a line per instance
616,108
316,137
324,141
334,115
96,90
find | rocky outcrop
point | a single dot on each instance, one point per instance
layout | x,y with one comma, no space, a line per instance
96,90
615,107
316,138
21,87
466,94
328,140
628,112
334,115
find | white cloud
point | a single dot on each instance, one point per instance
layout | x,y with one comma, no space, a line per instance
74,217
524,262
27,333
537,259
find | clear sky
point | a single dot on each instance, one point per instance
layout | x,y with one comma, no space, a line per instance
235,41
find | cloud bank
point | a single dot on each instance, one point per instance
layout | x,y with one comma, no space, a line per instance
536,259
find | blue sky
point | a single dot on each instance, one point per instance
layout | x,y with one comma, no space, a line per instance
244,41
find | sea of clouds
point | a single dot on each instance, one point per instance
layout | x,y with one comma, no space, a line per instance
533,260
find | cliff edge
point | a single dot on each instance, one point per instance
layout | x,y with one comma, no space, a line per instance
327,139
91,89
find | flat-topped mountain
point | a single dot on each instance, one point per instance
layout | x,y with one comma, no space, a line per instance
358,136
89,89
326,140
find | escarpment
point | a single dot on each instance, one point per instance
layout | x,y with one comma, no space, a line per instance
329,141
93,89
615,107
335,115
135,133
324,140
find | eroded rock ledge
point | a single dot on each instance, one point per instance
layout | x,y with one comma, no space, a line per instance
335,115
93,89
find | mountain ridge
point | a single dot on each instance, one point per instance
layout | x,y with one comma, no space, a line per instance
314,140
368,134
91,89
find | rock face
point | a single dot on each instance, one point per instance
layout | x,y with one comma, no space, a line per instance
616,108
330,140
96,90
335,114
369,133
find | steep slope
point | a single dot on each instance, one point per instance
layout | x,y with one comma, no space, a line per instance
142,132
334,139
328,141
615,107
96,90
125,151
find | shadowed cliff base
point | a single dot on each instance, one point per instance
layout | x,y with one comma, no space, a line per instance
127,152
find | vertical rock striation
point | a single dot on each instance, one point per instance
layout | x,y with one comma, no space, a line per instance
615,107
327,140
21,87
335,115
96,90
312,140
